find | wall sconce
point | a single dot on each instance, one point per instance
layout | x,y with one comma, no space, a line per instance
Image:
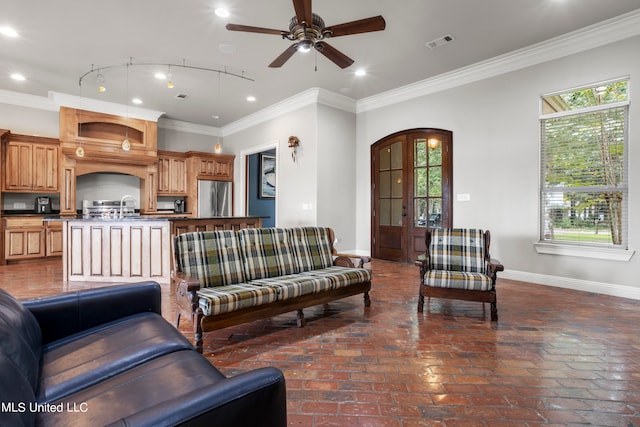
294,142
433,143
217,148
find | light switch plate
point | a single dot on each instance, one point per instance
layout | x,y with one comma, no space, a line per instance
463,197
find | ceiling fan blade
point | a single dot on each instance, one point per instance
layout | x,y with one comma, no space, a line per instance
339,58
366,25
249,29
303,11
284,56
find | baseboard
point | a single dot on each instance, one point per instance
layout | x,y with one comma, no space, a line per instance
575,284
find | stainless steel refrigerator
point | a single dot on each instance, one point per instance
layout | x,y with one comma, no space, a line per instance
214,199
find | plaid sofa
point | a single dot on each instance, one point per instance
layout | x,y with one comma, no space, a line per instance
250,272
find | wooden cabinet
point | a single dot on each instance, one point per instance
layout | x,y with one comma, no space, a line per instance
172,174
53,238
30,237
116,251
31,166
216,167
23,238
179,226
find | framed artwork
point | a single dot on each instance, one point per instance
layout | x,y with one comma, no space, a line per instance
267,184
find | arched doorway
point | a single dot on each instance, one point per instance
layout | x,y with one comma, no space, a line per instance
411,189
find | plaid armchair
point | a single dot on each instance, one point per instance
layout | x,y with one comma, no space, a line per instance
458,265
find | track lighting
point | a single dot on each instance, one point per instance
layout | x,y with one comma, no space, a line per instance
100,81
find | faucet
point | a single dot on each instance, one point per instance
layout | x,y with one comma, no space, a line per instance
125,197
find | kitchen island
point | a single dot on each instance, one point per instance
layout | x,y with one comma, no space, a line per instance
129,249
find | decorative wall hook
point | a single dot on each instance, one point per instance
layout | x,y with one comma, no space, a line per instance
294,142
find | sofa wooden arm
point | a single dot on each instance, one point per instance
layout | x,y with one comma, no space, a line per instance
362,260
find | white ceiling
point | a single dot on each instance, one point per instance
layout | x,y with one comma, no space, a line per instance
60,40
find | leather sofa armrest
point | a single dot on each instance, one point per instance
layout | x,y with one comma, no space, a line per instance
69,313
256,397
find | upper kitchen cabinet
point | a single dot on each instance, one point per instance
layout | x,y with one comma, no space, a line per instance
94,142
172,173
215,167
31,164
107,138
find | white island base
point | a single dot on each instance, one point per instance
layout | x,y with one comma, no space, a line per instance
127,250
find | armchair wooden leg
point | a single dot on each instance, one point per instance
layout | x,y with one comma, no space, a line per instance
494,312
420,299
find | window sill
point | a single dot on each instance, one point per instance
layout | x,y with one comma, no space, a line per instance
584,251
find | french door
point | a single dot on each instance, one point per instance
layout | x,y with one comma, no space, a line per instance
411,174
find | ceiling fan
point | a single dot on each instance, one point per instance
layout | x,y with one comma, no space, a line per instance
309,31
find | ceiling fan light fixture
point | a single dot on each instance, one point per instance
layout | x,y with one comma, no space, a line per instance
305,46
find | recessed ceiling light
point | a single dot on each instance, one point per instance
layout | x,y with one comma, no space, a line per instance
8,31
136,101
222,12
215,116
251,98
19,77
161,76
361,72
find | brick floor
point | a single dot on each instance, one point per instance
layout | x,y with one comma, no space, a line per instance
556,356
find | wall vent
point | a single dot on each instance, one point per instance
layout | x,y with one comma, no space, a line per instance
440,41
182,96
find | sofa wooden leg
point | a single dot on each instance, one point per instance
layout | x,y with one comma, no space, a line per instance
367,299
300,318
197,331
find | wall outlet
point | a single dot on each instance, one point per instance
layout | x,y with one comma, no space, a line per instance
19,205
463,197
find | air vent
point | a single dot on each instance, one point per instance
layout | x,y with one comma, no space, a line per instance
182,96
440,41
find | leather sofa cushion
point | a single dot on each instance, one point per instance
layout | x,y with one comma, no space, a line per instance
105,351
20,338
16,395
152,385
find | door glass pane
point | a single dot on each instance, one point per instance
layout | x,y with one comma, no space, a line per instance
420,182
435,213
396,183
385,159
435,181
385,185
385,212
396,212
396,155
420,212
435,154
420,152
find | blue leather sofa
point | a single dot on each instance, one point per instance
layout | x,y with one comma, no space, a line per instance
106,356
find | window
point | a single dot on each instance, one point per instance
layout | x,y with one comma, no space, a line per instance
583,192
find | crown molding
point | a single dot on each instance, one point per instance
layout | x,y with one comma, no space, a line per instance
180,126
27,100
293,103
55,100
600,34
65,100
